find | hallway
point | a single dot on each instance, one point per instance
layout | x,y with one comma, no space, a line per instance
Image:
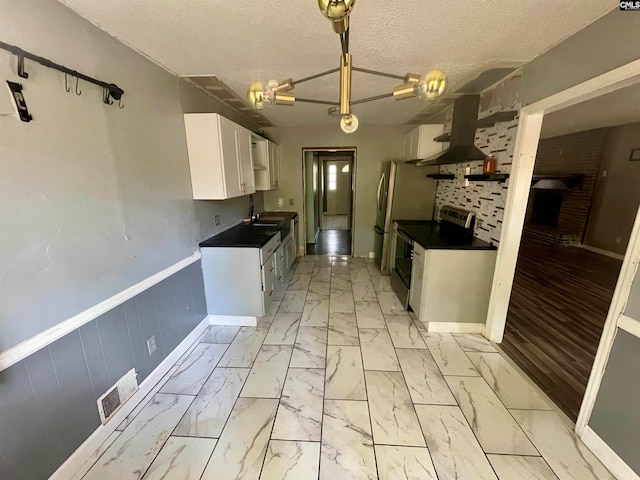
340,383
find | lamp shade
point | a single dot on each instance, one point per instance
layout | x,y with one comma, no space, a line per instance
549,184
433,85
349,123
336,9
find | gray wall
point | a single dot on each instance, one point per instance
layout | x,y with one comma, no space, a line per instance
617,196
615,415
607,43
93,199
632,308
48,401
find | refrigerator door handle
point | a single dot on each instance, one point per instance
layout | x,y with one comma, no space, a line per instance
379,230
379,190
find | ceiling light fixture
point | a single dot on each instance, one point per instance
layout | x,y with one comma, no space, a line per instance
430,87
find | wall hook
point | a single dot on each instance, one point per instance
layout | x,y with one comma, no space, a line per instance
78,92
21,72
120,105
106,95
67,88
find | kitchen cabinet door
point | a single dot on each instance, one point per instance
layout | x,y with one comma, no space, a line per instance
269,278
274,165
281,278
229,149
213,156
245,161
417,283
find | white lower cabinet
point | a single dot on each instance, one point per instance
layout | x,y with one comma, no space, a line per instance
450,287
241,282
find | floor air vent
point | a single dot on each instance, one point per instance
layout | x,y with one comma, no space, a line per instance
111,401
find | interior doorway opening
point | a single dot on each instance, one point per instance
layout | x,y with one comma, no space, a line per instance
329,175
581,209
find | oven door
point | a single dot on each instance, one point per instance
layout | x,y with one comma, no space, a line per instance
401,274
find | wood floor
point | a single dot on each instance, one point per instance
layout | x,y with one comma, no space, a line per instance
331,242
558,306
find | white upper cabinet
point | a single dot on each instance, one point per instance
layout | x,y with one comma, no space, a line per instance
266,164
419,143
220,157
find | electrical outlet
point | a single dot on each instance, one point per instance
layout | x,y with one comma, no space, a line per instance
291,201
152,346
479,222
216,220
604,173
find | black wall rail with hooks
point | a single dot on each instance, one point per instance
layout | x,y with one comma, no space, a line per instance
109,90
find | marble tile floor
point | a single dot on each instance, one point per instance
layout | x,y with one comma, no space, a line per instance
341,383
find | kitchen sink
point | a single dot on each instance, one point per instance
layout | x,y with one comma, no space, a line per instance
264,223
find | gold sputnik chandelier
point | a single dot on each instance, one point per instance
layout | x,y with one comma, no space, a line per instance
428,87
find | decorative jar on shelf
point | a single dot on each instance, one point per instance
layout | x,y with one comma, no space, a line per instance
489,165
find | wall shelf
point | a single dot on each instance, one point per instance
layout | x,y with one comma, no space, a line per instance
445,137
490,177
497,117
442,176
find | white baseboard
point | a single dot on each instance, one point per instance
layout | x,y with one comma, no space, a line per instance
79,459
607,456
601,251
30,346
236,321
454,327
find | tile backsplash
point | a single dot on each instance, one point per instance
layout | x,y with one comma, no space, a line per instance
486,199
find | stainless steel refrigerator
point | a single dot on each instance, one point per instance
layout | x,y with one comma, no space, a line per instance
404,193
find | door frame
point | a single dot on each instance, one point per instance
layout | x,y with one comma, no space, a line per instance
354,151
527,139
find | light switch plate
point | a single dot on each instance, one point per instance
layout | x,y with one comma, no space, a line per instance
216,220
152,346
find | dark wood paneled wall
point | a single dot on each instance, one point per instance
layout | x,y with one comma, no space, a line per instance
577,153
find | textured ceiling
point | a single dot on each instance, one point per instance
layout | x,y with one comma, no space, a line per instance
615,108
240,42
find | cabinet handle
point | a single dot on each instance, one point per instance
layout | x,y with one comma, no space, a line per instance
417,254
270,250
271,269
271,293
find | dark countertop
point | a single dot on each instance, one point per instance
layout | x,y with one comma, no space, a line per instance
243,235
281,215
250,235
427,234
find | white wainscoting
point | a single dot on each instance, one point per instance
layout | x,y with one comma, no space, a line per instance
77,464
32,345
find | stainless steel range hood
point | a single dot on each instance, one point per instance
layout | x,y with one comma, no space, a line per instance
463,132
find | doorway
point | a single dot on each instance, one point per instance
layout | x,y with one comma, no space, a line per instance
581,210
557,315
329,199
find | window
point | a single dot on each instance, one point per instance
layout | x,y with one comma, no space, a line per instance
333,175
